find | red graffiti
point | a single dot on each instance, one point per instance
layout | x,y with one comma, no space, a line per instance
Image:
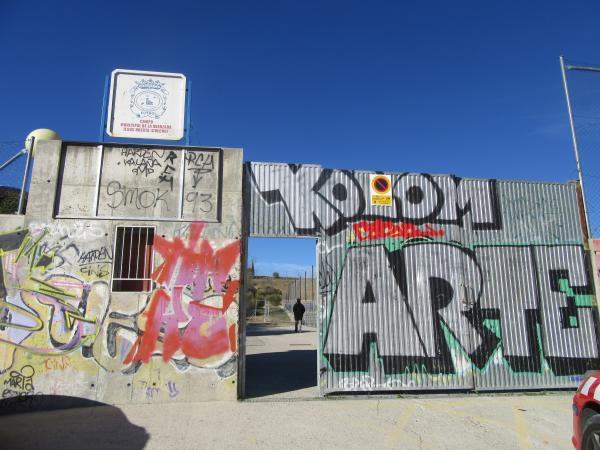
192,263
206,333
380,229
183,324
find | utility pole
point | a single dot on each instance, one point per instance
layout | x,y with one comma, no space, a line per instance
574,136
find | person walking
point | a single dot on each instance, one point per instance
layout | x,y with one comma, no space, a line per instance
298,314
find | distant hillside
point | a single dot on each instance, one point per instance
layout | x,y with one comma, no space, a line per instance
275,289
9,199
281,283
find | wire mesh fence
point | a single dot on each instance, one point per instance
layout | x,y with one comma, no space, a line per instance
304,289
584,92
13,168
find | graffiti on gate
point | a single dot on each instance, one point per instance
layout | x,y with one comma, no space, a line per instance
328,200
425,288
382,229
449,305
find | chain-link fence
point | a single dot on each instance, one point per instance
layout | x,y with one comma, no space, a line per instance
583,80
13,168
304,289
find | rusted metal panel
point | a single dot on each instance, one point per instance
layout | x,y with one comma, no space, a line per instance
459,284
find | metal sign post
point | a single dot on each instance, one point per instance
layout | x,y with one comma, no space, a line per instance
188,112
590,243
104,105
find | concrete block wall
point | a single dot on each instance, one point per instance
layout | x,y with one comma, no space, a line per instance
62,329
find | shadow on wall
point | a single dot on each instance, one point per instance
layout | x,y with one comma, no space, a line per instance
277,372
100,426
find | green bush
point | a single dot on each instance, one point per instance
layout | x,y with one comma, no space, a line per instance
274,299
9,200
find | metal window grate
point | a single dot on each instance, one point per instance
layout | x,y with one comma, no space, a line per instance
132,265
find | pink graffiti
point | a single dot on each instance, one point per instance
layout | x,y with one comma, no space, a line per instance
192,263
198,330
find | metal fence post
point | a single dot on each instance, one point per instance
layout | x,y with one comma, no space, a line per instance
103,109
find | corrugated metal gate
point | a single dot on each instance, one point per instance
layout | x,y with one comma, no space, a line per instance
459,284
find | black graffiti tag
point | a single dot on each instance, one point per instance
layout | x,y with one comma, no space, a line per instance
316,199
432,296
199,164
166,175
142,161
140,198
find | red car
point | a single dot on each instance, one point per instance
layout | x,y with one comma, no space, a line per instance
586,413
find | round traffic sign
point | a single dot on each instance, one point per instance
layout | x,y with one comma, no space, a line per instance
381,184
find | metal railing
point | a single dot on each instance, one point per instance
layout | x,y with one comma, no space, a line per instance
133,253
15,168
253,315
303,288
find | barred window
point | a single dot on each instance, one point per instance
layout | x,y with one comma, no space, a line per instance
132,264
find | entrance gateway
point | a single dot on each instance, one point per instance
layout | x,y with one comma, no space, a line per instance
460,284
125,276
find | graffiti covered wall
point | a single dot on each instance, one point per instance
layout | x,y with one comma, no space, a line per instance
458,283
63,331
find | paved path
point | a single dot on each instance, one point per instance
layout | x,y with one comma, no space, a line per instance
447,422
284,412
281,363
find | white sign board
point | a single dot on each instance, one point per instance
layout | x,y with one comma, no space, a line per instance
146,105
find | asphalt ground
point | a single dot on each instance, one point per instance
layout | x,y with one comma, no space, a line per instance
446,422
284,410
281,364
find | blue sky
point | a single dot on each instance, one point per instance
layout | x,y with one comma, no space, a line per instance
470,88
287,256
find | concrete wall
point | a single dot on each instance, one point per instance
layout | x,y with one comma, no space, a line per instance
457,284
62,330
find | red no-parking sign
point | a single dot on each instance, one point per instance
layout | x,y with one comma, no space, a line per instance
381,190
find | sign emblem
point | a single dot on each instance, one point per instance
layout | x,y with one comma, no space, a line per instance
148,98
146,105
